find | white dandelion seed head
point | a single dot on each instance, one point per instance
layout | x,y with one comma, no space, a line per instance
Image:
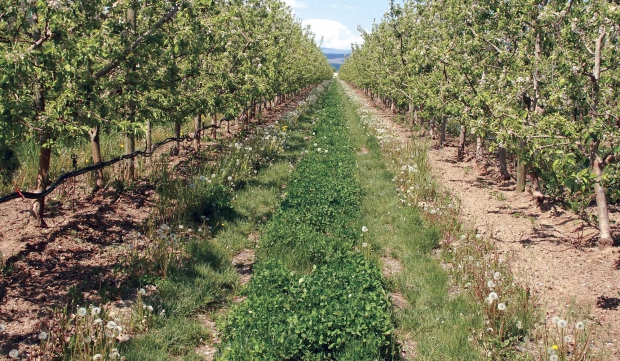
488,301
81,312
519,325
181,226
364,229
13,353
142,291
553,358
97,357
95,311
562,323
98,322
149,308
497,276
493,296
43,336
491,284
111,325
580,325
501,306
555,319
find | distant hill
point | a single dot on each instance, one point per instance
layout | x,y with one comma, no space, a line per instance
335,51
336,56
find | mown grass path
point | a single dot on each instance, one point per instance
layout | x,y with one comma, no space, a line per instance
431,325
313,296
318,292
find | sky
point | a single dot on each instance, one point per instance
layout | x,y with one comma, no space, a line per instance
337,20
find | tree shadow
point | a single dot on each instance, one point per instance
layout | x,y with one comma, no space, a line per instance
608,303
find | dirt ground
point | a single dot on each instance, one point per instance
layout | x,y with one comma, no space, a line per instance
76,259
551,250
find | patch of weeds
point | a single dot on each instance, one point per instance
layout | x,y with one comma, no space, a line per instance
499,196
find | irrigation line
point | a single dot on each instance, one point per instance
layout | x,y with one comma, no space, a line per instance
100,165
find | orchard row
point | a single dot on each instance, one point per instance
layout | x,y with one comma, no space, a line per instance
537,80
86,69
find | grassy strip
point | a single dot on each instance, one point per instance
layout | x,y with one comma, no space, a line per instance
225,204
312,296
439,324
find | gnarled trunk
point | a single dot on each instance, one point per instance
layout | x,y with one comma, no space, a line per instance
503,167
45,155
535,185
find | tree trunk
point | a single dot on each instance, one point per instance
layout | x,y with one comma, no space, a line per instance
214,123
535,184
149,136
45,155
95,147
596,163
176,146
197,130
130,146
479,149
442,134
411,114
393,106
461,148
521,180
503,167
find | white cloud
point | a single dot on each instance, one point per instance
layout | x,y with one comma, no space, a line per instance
335,35
296,4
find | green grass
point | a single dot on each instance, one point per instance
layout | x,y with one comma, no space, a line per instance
205,279
437,323
313,297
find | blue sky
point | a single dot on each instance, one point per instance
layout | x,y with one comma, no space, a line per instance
337,20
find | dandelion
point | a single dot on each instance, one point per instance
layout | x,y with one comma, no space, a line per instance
364,229
497,276
142,291
491,284
81,312
478,236
580,326
493,296
553,358
114,353
562,323
230,178
488,301
555,319
43,336
213,175
13,353
202,178
118,329
180,226
97,357
490,329
111,325
97,322
364,244
149,308
501,306
519,325
164,227
463,237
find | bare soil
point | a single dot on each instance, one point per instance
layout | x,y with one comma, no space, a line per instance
551,250
79,258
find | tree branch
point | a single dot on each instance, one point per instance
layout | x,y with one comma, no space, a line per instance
114,63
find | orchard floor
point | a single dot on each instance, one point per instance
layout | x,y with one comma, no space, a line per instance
550,249
79,255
